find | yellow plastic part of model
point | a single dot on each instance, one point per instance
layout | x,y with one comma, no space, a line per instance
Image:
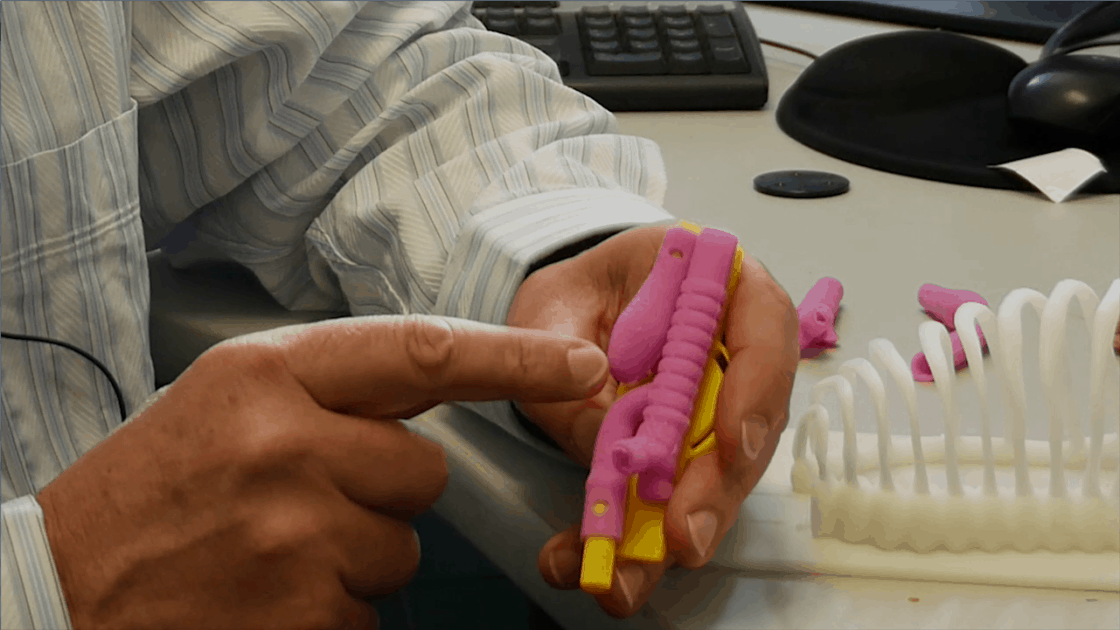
691,227
598,564
643,529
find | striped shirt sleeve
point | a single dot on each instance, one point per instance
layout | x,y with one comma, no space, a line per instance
408,162
32,595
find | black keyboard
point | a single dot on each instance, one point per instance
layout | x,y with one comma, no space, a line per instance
639,56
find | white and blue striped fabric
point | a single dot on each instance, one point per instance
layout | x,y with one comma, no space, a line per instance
385,157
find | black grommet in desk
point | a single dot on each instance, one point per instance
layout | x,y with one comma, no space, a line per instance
801,184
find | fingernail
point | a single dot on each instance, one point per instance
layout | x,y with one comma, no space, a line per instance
588,366
702,529
560,563
754,435
630,578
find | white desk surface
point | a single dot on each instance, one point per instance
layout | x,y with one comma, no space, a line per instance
883,239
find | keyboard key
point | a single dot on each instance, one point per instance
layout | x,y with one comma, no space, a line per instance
677,10
717,25
637,10
599,22
610,46
602,34
727,57
711,9
543,13
599,12
680,33
509,27
501,13
549,45
542,26
684,45
676,22
637,21
644,45
687,63
641,33
539,5
632,63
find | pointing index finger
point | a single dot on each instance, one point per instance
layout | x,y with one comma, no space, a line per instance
387,364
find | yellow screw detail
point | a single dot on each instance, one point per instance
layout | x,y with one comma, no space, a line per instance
600,508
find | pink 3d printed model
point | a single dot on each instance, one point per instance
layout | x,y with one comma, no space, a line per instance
941,304
668,329
817,316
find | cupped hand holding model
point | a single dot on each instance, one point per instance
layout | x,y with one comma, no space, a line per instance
270,486
583,297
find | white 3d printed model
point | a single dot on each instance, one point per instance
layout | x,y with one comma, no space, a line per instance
961,493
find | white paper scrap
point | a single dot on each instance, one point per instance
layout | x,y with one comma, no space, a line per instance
1058,175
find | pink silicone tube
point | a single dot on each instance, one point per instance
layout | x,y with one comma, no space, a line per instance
941,304
653,453
635,347
643,430
817,315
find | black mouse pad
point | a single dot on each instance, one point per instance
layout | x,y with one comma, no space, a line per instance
925,104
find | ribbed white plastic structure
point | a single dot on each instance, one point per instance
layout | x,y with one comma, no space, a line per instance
963,492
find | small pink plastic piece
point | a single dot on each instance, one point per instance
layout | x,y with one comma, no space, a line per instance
942,304
817,315
919,366
643,430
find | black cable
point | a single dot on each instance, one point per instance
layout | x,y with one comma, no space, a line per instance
800,51
93,359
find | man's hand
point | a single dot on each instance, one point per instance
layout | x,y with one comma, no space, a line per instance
270,488
583,297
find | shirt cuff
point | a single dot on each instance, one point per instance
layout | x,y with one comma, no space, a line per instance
32,595
498,245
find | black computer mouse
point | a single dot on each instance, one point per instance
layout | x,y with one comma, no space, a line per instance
1072,98
1077,96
